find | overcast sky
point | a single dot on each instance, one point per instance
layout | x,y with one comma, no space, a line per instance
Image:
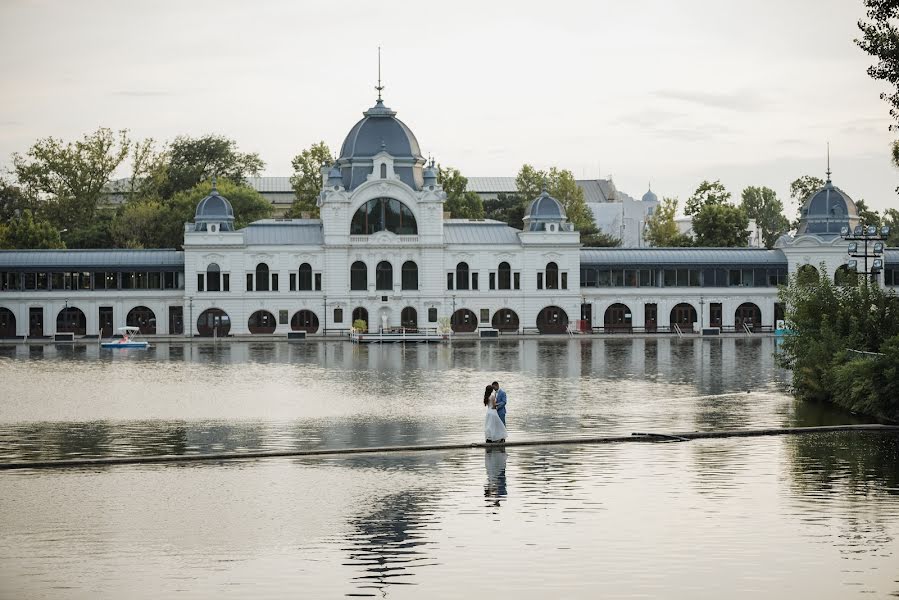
661,91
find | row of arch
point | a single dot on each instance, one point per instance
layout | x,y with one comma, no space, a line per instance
73,320
383,276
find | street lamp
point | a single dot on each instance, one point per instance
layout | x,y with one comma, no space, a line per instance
866,242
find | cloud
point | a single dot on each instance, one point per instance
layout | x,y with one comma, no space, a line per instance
141,93
743,101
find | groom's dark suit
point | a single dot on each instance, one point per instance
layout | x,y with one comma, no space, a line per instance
501,404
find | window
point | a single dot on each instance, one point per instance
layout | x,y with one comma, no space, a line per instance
517,280
383,214
274,282
226,282
432,315
617,278
564,281
262,277
410,275
358,276
169,281
474,281
449,281
383,171
647,278
338,315
249,282
552,276
603,278
200,287
318,282
305,279
505,272
492,281
213,278
409,318
693,277
384,276
588,277
485,315
734,279
462,276
293,282
539,281
670,278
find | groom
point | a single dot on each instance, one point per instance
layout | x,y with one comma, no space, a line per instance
500,402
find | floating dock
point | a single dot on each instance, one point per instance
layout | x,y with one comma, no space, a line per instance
399,337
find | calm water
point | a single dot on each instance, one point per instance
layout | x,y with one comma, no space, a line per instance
803,516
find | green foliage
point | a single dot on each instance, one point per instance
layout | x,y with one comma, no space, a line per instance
508,208
866,216
709,193
192,160
459,203
307,179
661,228
149,169
599,239
763,205
360,325
561,185
13,200
880,39
96,234
25,231
891,219
800,190
721,226
828,321
69,177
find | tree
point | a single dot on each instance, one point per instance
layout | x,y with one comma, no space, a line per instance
763,205
561,185
880,39
13,200
721,226
708,193
661,228
461,204
866,216
800,190
891,220
24,232
508,208
248,204
71,177
307,179
599,239
149,169
192,160
96,234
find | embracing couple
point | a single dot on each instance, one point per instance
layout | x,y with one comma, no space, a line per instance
495,424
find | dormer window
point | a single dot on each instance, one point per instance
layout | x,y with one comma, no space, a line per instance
383,214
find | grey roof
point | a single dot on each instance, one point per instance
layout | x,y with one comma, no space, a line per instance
545,206
827,211
464,231
214,207
60,260
494,185
270,184
598,190
379,131
650,196
284,232
683,256
891,256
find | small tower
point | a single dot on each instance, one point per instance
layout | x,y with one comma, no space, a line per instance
214,213
546,214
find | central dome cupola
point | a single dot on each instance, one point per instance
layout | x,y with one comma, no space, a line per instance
827,211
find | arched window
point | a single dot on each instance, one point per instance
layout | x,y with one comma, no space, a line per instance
305,277
807,275
683,315
262,277
462,276
618,317
142,317
213,321
261,321
7,323
360,314
409,318
71,320
304,320
552,276
505,319
552,319
383,214
384,276
359,276
748,314
505,276
464,321
410,275
213,278
383,171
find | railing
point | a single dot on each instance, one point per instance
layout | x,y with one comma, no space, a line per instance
747,329
864,354
677,330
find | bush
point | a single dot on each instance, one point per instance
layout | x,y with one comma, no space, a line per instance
360,325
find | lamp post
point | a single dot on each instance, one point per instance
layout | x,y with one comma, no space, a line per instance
701,314
866,235
324,315
453,315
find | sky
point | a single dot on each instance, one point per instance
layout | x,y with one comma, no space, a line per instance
645,91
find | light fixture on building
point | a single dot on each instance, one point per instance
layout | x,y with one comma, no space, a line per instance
852,265
878,248
853,247
844,231
885,231
871,230
877,265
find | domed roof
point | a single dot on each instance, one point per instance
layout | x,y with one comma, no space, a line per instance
379,131
827,211
546,207
214,208
650,196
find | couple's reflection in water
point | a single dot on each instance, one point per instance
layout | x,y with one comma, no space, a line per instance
495,488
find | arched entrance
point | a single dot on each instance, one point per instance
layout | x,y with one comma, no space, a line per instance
304,320
552,319
262,321
360,314
7,323
213,322
464,321
505,319
409,318
71,320
806,275
747,314
683,315
142,317
618,317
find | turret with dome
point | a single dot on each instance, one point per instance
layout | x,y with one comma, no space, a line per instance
827,211
214,213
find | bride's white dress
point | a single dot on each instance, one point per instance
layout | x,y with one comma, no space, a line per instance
494,430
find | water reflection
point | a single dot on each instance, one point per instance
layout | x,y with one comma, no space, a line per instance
495,489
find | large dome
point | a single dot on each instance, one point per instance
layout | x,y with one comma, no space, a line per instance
380,131
826,211
216,209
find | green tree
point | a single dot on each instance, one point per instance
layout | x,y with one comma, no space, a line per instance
866,216
13,200
149,169
96,234
599,239
561,185
800,190
508,208
880,39
721,226
24,232
708,193
307,179
192,160
891,220
661,228
70,177
461,204
763,205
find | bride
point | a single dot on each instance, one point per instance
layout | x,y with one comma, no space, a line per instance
494,430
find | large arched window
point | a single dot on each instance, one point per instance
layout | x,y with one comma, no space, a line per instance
262,277
409,318
213,322
552,276
304,320
410,275
384,276
505,276
305,277
71,320
142,317
383,214
359,276
213,278
462,276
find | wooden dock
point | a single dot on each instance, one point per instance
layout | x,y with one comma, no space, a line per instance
399,336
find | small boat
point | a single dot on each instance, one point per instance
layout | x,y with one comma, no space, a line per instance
128,339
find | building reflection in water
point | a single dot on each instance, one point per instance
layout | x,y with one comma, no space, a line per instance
495,463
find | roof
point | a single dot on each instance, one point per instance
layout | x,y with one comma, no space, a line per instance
270,184
486,185
464,231
598,190
379,131
545,206
683,256
284,232
61,260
